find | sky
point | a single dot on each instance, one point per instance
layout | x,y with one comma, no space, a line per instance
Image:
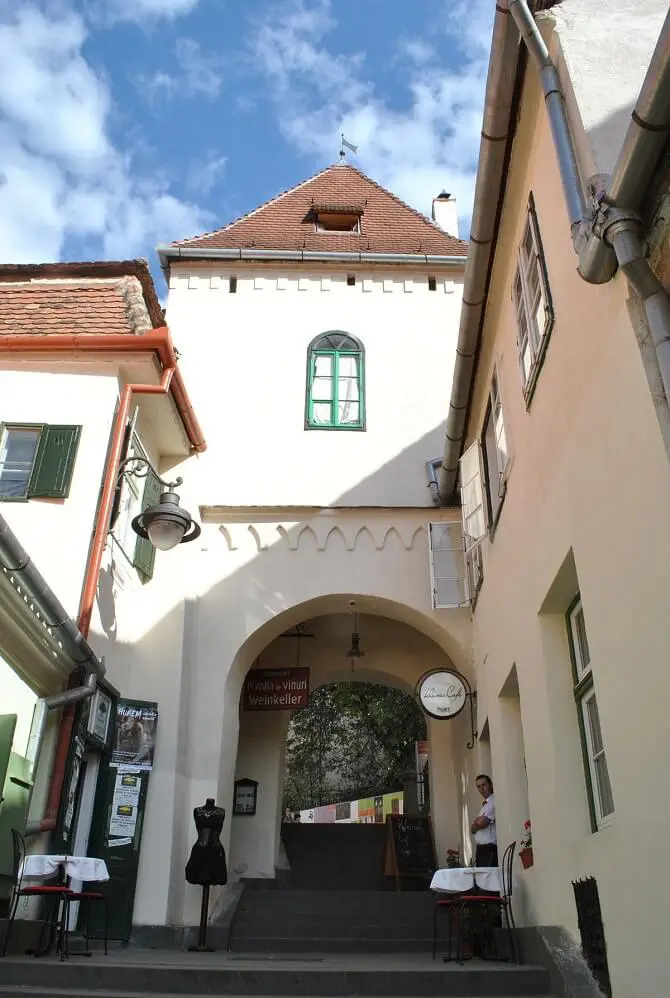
125,123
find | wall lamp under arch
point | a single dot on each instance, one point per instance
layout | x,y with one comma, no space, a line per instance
165,524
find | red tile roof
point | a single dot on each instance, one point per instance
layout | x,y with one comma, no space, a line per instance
388,225
41,300
74,307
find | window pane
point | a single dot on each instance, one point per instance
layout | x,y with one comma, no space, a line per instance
17,454
602,786
322,389
322,413
323,365
347,366
348,412
582,651
347,389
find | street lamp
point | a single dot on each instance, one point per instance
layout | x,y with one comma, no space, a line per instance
165,524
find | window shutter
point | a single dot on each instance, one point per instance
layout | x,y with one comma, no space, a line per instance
145,552
54,462
472,495
447,565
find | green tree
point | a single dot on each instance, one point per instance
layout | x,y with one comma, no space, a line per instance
353,740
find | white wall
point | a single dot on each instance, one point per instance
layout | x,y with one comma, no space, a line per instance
57,532
607,49
250,392
16,697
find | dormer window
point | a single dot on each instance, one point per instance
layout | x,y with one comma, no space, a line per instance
337,218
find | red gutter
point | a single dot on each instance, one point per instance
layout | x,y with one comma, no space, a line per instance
159,341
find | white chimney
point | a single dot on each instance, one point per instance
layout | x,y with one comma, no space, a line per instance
445,213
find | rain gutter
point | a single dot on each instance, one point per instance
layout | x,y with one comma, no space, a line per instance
604,233
167,253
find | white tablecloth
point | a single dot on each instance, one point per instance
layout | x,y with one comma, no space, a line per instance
456,881
80,868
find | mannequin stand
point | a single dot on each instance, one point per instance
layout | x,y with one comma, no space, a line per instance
201,946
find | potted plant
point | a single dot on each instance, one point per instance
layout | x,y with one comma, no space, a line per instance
526,846
453,859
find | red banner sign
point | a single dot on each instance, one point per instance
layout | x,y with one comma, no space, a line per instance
276,689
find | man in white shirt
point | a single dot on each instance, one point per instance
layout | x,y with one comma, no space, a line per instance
484,826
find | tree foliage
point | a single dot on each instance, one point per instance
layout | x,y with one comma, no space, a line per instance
353,740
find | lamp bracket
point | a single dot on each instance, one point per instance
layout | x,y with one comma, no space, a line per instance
140,467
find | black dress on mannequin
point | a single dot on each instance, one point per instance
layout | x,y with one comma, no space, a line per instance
207,863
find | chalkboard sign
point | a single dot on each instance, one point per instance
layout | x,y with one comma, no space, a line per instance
410,846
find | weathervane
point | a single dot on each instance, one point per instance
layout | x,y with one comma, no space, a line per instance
346,145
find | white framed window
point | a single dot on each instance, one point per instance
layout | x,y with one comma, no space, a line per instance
495,450
601,798
447,565
36,460
474,516
532,301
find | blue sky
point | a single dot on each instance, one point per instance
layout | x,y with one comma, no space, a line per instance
124,123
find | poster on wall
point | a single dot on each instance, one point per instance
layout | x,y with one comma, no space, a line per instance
135,736
125,805
276,689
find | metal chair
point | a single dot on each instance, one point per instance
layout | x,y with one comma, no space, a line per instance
457,906
87,898
502,901
59,893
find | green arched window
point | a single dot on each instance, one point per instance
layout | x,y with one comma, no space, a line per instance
335,383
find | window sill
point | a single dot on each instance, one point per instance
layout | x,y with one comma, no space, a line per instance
14,499
354,429
605,823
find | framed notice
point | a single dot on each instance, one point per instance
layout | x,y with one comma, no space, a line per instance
246,795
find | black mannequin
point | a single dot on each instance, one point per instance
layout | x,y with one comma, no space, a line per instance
207,864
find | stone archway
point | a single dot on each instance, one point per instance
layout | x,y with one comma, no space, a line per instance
397,654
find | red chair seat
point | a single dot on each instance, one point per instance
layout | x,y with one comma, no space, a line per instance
46,889
87,896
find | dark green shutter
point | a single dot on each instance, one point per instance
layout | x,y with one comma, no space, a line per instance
145,552
54,462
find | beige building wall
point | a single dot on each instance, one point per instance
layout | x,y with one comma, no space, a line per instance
585,509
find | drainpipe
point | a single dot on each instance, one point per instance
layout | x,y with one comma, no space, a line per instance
91,575
14,560
160,342
612,237
617,225
500,86
575,202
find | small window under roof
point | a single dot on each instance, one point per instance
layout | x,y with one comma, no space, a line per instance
336,217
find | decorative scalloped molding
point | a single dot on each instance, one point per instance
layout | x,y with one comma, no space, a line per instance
322,535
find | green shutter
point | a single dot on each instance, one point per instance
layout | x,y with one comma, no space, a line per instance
145,552
54,462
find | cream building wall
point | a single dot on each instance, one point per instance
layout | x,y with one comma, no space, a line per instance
250,394
584,510
295,524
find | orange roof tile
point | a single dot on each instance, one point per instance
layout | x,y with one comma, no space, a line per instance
74,307
388,225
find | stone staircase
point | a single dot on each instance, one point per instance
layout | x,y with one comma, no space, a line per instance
135,973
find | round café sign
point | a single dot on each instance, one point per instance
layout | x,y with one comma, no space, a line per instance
442,693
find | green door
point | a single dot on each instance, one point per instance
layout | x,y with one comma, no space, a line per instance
121,852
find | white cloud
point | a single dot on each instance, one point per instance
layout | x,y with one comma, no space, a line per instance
62,177
204,173
142,11
431,144
198,74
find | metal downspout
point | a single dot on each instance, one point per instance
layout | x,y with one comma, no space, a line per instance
573,193
16,562
500,87
616,226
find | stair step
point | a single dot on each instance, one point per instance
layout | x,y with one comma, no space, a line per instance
158,974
